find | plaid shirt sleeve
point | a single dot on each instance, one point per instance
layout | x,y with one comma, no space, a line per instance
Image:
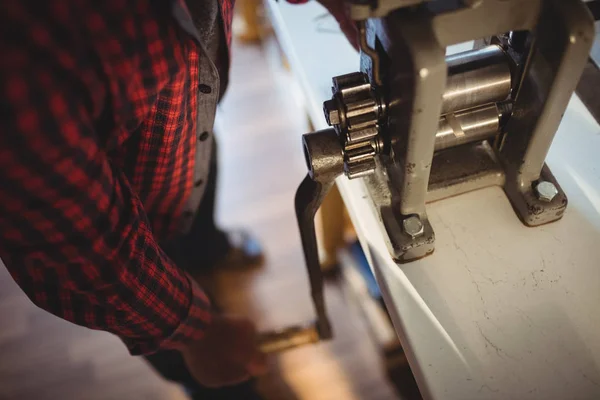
73,233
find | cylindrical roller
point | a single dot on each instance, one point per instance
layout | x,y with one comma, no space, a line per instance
467,126
475,78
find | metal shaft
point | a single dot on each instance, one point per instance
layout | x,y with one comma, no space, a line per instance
475,78
467,126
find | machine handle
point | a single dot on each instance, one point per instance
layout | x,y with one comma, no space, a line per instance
309,197
325,163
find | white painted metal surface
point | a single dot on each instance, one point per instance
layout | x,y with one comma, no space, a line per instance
499,311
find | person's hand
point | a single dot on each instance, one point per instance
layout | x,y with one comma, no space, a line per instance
227,354
338,9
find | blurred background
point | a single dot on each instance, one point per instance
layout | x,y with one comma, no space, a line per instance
259,125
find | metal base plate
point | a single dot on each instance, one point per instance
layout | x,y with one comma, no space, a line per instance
463,169
384,196
454,171
531,210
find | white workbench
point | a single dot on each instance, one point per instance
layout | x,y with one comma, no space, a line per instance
499,310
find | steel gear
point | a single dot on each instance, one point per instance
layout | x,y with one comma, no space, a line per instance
355,111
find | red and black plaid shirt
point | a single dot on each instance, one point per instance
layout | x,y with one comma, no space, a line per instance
98,121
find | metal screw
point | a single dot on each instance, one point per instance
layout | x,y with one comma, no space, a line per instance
413,226
332,114
546,191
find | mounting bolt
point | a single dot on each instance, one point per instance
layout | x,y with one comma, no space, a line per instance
413,226
546,191
332,114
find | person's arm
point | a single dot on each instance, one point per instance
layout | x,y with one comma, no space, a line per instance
73,234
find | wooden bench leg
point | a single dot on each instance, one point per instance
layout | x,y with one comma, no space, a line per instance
248,11
331,227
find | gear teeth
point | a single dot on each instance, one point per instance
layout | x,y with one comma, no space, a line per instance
365,167
361,135
359,154
357,109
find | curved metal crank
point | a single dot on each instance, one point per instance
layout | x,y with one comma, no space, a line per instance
309,197
348,148
325,163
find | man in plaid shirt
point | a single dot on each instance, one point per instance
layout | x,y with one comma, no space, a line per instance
107,176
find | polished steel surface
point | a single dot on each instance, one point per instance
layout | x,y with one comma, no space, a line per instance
467,126
546,191
475,78
413,226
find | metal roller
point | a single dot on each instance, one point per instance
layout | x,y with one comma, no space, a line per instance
475,78
467,126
